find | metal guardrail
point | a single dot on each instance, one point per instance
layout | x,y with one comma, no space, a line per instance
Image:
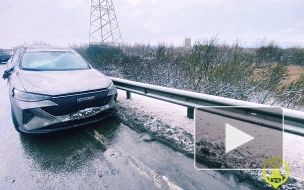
293,120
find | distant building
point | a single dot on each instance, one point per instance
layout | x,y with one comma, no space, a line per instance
188,43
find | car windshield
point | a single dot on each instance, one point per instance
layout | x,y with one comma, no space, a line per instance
53,61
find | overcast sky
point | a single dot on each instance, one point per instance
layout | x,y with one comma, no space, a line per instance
64,22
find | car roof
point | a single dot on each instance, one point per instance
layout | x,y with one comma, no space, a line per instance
5,50
39,48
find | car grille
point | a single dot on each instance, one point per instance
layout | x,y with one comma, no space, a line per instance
69,104
77,123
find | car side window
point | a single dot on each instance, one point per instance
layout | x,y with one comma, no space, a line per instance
16,57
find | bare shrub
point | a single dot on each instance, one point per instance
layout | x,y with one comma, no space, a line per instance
210,67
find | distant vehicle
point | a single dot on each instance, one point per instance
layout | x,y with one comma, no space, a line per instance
5,55
54,88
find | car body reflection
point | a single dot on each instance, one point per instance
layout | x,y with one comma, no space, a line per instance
71,150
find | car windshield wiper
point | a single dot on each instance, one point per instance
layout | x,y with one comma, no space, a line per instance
28,69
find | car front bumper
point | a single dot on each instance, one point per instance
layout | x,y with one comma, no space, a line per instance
33,119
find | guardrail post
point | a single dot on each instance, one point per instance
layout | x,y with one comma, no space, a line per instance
190,113
128,94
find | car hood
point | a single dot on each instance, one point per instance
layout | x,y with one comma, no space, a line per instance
62,82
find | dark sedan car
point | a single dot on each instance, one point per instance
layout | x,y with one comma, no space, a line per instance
54,88
4,55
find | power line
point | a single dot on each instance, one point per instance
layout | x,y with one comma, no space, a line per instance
275,4
14,10
33,10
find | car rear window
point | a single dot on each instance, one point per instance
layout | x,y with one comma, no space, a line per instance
7,52
4,52
53,61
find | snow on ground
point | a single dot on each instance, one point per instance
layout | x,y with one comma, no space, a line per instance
173,114
170,120
294,154
163,125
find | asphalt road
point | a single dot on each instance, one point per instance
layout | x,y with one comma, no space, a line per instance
104,155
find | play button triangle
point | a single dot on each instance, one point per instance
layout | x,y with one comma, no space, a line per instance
235,138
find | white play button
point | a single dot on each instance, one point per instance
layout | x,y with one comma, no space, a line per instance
235,138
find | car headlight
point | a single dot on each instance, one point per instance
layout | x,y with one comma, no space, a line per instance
112,90
29,97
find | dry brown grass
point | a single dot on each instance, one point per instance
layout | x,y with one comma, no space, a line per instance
294,73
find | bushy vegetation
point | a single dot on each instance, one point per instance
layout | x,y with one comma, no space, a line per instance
250,74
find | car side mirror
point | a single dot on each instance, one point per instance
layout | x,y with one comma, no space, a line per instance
7,73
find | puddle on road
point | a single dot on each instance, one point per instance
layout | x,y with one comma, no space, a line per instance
68,150
161,165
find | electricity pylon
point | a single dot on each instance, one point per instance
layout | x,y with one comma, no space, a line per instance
104,27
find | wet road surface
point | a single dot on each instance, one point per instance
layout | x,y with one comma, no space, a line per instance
104,155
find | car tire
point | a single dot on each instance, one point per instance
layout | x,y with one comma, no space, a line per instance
15,122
